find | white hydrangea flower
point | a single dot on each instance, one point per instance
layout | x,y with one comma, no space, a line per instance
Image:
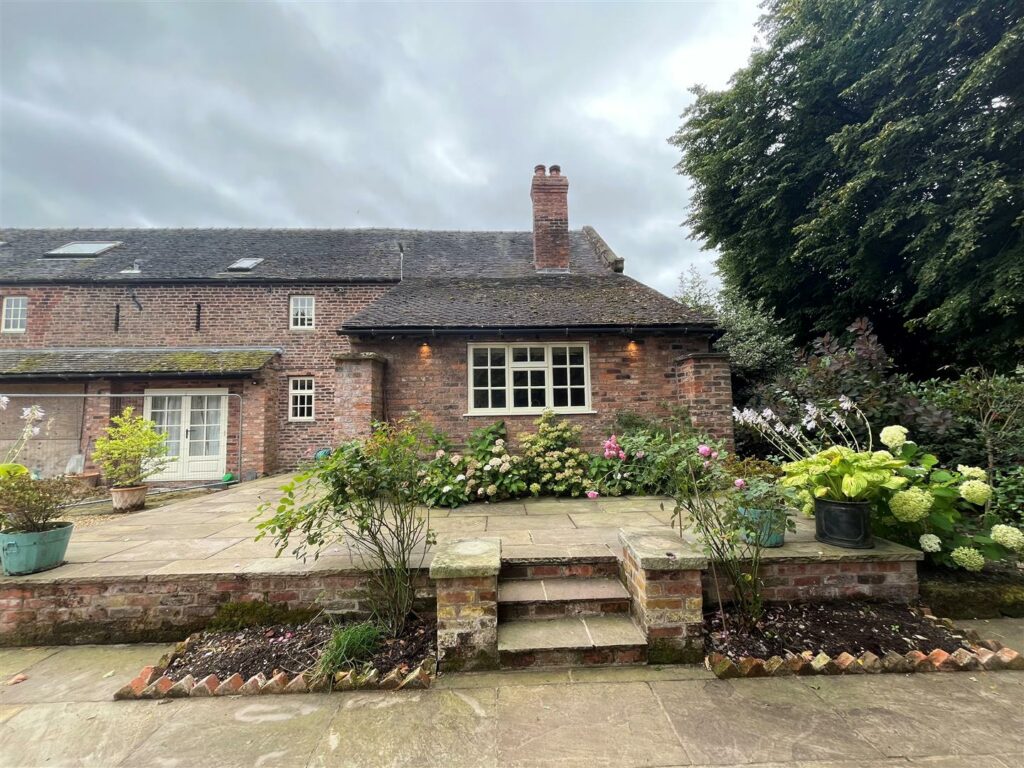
1009,537
972,473
930,543
976,491
893,437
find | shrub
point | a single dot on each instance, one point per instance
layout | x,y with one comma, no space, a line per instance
1008,498
641,461
552,458
130,450
366,493
32,506
492,472
348,647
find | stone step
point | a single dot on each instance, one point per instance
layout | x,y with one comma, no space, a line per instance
531,599
567,567
571,642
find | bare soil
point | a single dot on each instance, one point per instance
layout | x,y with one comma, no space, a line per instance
854,627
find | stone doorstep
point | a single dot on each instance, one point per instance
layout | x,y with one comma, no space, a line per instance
561,590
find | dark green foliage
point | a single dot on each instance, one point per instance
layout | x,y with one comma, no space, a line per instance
234,616
869,161
349,648
677,422
1008,501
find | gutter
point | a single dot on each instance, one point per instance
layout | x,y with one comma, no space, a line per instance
572,330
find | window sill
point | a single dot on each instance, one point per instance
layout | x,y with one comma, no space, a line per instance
302,421
532,412
302,330
13,331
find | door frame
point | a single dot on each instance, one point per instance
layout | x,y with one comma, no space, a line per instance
176,472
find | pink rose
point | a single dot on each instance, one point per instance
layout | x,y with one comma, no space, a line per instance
704,450
592,494
740,483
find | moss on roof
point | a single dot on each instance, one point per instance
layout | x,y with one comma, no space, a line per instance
93,361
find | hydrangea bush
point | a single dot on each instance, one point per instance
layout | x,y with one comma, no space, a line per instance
552,458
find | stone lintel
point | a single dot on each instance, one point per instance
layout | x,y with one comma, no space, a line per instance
655,551
347,357
466,558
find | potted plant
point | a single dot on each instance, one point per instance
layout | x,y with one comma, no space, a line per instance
844,484
31,539
130,451
762,507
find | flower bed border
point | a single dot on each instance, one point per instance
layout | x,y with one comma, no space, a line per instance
988,655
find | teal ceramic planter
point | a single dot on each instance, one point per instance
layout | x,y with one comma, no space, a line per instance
759,520
24,553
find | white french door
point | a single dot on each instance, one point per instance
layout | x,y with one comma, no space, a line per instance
195,422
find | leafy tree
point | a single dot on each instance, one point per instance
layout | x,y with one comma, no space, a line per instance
758,349
869,161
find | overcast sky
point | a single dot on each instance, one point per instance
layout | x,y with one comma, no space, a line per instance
321,115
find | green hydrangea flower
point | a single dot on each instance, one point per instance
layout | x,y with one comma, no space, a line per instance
894,437
1009,537
911,505
976,491
972,473
968,558
930,543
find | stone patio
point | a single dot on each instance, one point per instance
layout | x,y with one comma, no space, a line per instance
214,534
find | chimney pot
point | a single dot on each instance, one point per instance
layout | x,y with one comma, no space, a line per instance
550,196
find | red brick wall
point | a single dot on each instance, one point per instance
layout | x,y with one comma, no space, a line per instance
818,581
70,316
638,376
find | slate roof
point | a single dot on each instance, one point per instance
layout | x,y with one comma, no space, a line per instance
108,362
289,255
542,301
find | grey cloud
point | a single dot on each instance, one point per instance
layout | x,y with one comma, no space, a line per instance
429,115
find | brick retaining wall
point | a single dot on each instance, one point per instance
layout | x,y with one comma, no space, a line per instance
808,582
163,608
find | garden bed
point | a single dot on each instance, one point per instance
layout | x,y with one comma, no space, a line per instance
282,659
847,638
995,592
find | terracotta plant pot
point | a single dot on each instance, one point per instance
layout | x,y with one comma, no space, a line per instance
128,499
87,479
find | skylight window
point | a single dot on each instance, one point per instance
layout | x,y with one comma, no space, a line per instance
76,249
244,265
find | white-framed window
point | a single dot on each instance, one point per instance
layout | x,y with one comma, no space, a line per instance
528,378
302,313
15,314
300,398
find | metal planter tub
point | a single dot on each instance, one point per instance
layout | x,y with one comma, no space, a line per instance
25,553
843,523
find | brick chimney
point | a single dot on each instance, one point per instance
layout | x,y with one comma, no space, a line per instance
550,195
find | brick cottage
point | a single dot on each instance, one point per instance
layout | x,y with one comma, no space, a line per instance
254,348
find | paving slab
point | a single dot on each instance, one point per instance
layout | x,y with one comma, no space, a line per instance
580,726
910,715
1009,632
177,549
504,678
15,660
524,591
422,729
541,523
598,519
82,673
279,731
96,734
459,524
613,631
90,551
748,721
639,673
584,589
541,507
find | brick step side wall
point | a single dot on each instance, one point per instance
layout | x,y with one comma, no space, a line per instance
809,582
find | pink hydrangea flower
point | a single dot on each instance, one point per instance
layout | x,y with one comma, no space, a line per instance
704,450
592,494
714,454
740,483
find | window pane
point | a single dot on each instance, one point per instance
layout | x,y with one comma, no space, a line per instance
498,356
559,377
519,354
576,355
479,358
558,355
497,377
537,398
561,397
577,377
479,398
480,378
536,354
537,378
497,398
519,398
520,378
579,396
